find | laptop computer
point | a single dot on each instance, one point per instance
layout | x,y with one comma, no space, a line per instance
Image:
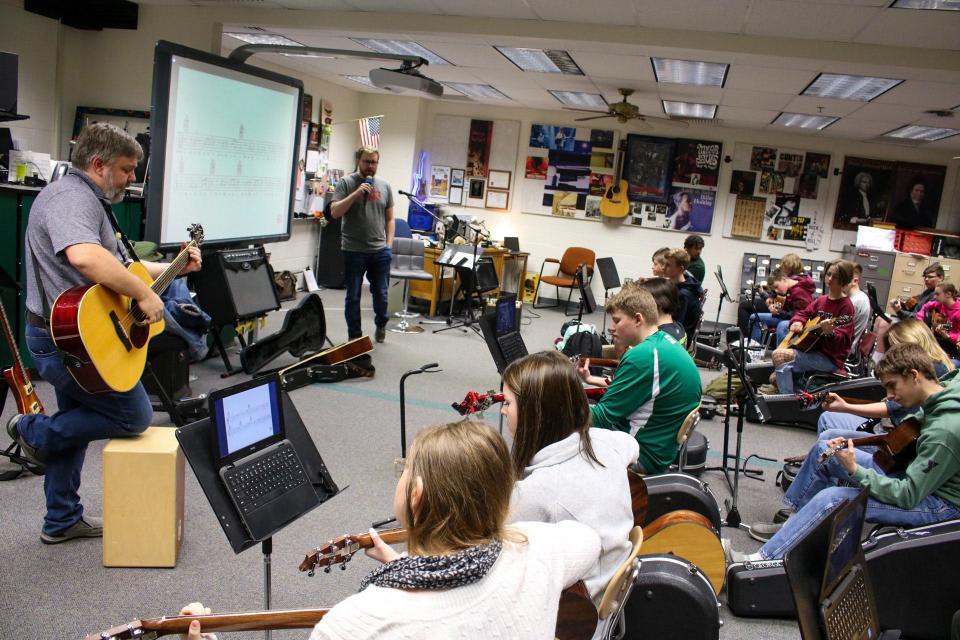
829,579
501,330
511,244
258,465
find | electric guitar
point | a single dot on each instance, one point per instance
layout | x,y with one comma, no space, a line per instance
475,402
895,450
103,334
615,203
810,401
811,333
17,377
247,621
576,617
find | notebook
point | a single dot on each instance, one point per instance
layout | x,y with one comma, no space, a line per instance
258,465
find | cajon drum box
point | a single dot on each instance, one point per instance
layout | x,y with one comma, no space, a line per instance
143,500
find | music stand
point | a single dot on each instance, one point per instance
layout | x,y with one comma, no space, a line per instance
715,334
466,270
198,442
588,304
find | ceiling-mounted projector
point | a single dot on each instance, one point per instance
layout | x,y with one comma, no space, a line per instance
409,82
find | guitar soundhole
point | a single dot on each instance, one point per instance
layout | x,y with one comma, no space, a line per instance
139,335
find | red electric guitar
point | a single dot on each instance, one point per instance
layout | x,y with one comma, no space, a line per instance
17,377
475,402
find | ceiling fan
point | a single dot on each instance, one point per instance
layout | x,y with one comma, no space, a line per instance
625,111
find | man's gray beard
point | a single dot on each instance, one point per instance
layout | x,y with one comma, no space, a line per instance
115,194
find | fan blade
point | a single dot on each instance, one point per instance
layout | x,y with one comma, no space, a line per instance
592,118
678,123
606,113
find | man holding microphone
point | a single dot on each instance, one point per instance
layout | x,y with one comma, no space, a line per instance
365,203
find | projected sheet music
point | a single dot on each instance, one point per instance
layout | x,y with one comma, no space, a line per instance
248,417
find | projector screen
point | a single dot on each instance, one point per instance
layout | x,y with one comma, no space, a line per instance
224,137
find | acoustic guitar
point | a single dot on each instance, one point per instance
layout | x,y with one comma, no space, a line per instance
17,377
940,324
811,333
103,334
615,203
211,622
576,616
895,450
301,373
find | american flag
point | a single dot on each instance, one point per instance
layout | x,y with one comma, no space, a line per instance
370,131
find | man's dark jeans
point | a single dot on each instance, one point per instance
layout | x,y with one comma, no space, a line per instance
376,266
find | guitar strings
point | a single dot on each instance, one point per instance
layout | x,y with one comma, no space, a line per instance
164,279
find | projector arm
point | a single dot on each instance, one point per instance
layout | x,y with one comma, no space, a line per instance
240,54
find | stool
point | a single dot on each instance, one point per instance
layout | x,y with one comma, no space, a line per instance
143,483
407,265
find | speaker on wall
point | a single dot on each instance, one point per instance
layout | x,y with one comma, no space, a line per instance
236,284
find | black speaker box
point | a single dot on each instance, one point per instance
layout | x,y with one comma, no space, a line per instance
329,269
236,284
170,361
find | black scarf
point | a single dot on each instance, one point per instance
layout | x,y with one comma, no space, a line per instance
436,572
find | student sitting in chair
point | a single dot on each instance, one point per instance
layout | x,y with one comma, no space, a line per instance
833,347
794,293
657,261
655,385
927,491
664,293
942,315
690,310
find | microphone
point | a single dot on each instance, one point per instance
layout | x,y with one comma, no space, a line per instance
404,193
369,181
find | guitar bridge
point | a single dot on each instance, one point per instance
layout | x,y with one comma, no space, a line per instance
124,339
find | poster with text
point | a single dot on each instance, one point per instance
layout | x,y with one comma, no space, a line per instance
555,138
697,162
691,209
647,167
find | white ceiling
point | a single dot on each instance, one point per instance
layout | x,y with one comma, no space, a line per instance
775,48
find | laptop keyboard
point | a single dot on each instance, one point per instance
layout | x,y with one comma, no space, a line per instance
512,347
849,617
262,480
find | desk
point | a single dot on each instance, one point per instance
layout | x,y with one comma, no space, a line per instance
440,289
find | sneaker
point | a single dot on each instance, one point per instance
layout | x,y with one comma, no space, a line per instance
734,557
85,527
763,531
31,453
380,334
768,389
781,516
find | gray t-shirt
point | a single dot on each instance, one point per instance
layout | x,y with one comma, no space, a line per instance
365,223
67,212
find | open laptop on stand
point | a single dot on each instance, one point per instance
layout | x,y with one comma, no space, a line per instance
259,466
511,244
829,580
501,330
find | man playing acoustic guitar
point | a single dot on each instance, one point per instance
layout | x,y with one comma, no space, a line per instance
70,241
927,491
831,350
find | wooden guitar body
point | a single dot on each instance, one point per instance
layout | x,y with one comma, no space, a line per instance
23,392
106,348
688,535
895,450
615,203
810,335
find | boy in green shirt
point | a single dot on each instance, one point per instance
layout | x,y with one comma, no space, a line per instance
656,383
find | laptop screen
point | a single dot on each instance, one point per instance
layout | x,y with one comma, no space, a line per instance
248,417
511,243
506,314
844,542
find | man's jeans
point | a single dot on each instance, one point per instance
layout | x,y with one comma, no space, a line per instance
818,488
804,361
80,419
376,266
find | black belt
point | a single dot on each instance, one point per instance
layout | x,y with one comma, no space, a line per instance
36,321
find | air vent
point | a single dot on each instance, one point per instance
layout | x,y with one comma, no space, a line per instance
900,142
940,113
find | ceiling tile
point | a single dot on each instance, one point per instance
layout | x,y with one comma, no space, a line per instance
616,12
929,94
697,15
861,3
756,99
613,65
850,127
744,114
952,142
877,111
691,93
315,5
426,7
925,29
470,55
768,79
822,106
487,9
561,82
503,78
790,19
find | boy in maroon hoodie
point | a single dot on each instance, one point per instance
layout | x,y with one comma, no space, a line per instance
833,347
793,293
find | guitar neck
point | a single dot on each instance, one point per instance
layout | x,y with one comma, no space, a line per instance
11,342
346,351
390,536
173,269
251,621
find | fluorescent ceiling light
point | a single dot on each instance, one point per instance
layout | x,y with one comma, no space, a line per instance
844,87
710,74
942,5
264,38
364,80
916,132
580,99
542,60
689,109
804,121
401,47
475,90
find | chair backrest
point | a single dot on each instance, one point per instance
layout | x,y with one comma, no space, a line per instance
401,228
407,254
618,589
573,257
608,274
689,424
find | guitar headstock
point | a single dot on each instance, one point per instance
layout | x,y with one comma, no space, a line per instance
810,400
196,233
475,402
130,631
337,551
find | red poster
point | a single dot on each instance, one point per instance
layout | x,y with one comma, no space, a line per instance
478,150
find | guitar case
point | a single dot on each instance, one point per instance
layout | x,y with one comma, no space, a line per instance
304,331
696,455
359,367
928,555
671,599
671,491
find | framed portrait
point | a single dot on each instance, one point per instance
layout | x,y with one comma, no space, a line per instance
498,179
456,177
456,195
439,181
866,188
647,167
497,200
476,187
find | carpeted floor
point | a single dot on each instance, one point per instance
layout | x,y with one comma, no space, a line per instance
63,591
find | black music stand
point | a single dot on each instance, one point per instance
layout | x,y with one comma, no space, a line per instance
715,334
466,269
198,442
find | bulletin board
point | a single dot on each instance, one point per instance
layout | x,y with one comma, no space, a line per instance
777,194
466,149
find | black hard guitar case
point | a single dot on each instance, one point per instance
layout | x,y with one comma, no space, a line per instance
696,455
671,600
759,590
304,331
671,491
